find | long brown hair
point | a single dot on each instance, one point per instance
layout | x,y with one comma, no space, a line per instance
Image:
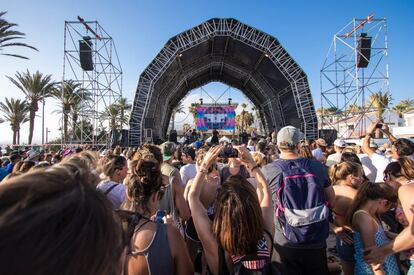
407,167
371,191
342,170
238,223
56,222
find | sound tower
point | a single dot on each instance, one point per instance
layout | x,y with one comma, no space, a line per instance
173,136
85,53
364,50
124,138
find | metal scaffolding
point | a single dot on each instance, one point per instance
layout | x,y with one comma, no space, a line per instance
102,82
233,53
345,85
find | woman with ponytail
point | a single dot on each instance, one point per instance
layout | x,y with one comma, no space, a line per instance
371,200
400,175
155,248
346,178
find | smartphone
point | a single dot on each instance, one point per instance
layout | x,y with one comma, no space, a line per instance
229,152
159,216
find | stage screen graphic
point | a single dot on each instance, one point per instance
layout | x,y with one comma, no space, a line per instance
220,117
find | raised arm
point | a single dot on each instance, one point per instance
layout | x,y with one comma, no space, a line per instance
262,188
386,131
365,145
199,213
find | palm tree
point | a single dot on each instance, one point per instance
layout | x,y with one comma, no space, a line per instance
257,115
403,106
16,112
113,113
353,109
177,109
379,102
71,95
36,87
123,106
193,110
8,36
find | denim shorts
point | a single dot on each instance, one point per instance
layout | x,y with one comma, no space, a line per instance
345,251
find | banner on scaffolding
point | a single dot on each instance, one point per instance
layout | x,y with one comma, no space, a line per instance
220,117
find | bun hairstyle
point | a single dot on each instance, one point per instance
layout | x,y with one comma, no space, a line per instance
111,163
55,216
342,170
144,180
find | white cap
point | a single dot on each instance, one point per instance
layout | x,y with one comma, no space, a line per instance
340,143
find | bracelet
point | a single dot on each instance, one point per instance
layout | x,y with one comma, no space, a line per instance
203,170
254,167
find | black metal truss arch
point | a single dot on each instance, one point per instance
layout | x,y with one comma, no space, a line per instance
231,52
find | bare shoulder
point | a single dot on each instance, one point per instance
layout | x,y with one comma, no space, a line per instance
362,220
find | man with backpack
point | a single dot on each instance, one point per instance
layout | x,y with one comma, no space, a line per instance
302,195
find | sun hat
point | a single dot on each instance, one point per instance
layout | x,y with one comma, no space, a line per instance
321,142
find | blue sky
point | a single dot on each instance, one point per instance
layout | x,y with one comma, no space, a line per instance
141,28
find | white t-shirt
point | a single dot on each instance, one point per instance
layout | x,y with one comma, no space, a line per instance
369,169
318,154
188,172
333,159
380,162
116,196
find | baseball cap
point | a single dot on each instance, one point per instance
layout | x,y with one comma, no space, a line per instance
340,143
321,142
167,150
288,136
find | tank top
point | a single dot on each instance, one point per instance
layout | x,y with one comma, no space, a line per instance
158,254
167,202
390,265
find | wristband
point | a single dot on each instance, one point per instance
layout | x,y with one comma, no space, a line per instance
203,170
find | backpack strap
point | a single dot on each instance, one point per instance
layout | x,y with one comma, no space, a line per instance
110,188
271,242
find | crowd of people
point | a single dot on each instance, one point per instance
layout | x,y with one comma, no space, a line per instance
257,206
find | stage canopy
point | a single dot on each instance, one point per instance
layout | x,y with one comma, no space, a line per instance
230,52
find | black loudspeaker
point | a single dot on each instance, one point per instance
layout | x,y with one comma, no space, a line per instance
173,136
85,54
329,135
123,141
364,50
114,138
149,122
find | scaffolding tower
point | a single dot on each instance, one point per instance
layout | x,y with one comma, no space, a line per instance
100,81
355,67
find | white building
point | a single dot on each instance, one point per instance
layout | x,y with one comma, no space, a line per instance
356,126
407,130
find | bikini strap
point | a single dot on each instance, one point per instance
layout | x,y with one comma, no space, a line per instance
365,212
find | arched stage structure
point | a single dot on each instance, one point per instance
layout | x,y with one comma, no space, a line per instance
231,52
